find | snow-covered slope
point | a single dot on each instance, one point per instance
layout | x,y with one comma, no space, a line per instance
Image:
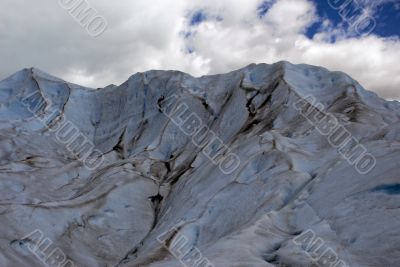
155,187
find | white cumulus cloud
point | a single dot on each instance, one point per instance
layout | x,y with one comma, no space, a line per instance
199,37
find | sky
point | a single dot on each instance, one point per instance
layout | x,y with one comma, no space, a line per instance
200,37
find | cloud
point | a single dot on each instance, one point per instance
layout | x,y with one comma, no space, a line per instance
199,37
373,6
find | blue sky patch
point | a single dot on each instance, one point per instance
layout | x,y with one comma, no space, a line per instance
263,8
387,18
197,18
313,29
388,21
189,50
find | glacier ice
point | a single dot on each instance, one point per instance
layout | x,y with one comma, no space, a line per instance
154,178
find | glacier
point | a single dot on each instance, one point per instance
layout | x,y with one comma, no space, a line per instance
293,199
